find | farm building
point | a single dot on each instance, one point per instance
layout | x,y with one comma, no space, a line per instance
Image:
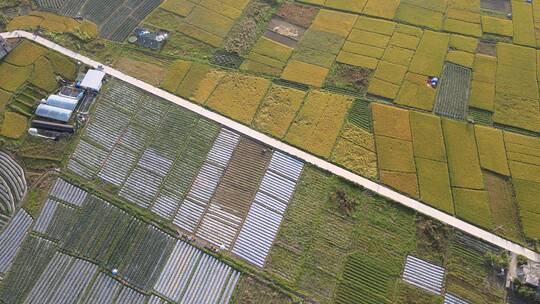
93,80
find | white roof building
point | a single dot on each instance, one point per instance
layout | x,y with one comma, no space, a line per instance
93,80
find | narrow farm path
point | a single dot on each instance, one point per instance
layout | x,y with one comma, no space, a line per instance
368,184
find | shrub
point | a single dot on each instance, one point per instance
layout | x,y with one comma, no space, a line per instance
497,261
348,77
62,65
347,205
244,34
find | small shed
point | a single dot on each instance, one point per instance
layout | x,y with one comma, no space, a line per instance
54,113
93,80
62,102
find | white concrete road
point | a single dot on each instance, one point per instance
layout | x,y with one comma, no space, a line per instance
368,184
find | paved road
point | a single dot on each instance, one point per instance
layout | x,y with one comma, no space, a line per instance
368,184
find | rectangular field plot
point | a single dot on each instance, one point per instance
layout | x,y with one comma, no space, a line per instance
266,212
116,18
12,237
424,275
454,92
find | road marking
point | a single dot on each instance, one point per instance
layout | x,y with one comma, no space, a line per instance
323,164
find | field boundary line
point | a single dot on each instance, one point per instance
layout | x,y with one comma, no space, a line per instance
276,144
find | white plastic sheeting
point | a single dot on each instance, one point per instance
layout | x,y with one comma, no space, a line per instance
424,275
266,212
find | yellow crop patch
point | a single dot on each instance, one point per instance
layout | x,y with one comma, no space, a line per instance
497,26
370,38
391,121
491,150
17,76
527,194
395,154
427,135
398,55
390,72
525,171
378,87
238,96
25,54
416,93
522,18
278,109
482,95
363,49
375,25
381,8
429,58
484,68
473,206
319,121
14,125
420,16
461,58
24,22
404,41
334,22
409,30
463,27
357,60
355,157
305,73
175,75
403,182
463,43
358,136
462,154
179,7
346,5
272,49
207,85
434,184
43,75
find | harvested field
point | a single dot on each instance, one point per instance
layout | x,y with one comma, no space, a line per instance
301,15
453,93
